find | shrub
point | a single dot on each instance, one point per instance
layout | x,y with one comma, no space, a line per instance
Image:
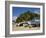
26,26
30,26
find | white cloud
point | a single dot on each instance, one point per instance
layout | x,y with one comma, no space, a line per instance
37,12
14,18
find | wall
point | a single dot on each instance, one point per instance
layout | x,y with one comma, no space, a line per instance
2,19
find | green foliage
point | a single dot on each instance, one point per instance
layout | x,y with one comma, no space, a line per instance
26,16
26,26
30,26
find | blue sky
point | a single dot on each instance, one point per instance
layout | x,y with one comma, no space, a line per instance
16,11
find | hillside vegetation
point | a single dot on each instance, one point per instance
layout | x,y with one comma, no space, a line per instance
27,16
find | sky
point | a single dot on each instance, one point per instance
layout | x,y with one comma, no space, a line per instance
16,11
